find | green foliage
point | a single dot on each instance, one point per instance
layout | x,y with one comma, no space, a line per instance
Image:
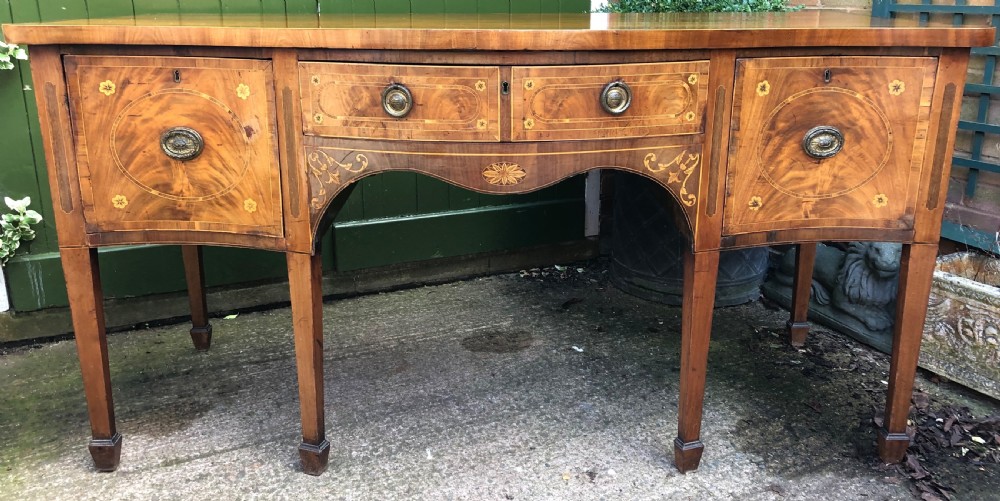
698,6
7,52
15,227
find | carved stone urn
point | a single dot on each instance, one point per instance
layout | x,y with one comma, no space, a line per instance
961,338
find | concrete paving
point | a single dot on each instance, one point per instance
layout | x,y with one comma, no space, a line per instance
504,387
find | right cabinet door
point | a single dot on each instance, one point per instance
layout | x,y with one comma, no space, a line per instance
827,142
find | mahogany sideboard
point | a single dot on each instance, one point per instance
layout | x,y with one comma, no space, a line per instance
764,129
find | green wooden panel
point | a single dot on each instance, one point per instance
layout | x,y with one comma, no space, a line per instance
428,7
240,7
525,6
165,9
364,7
65,9
204,11
461,6
432,195
493,7
353,209
272,6
109,8
549,6
459,199
391,6
574,6
335,7
389,195
22,11
378,243
301,6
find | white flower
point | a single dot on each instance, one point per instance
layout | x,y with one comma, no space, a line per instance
20,53
17,205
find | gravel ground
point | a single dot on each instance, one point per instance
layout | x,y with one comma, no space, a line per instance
542,385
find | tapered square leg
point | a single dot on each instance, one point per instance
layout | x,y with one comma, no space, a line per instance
700,273
798,325
304,281
916,273
86,304
194,273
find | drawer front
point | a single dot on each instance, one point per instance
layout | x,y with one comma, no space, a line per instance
552,103
447,103
139,121
790,117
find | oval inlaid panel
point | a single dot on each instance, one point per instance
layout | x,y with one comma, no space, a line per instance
868,141
568,102
217,170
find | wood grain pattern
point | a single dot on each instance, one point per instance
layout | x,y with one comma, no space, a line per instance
294,185
553,103
691,31
122,106
798,325
872,181
700,272
305,286
952,66
708,224
194,276
915,275
83,284
673,162
449,103
54,121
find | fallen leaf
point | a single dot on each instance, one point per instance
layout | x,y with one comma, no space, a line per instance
230,317
978,440
917,472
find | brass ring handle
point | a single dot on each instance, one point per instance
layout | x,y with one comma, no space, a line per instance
397,100
182,143
823,142
616,97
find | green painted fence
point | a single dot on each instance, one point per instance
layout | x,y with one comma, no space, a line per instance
391,218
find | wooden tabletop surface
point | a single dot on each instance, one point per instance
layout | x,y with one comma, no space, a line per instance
507,31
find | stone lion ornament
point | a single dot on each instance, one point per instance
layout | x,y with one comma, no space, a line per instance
860,281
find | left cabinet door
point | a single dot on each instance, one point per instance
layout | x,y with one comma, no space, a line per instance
175,145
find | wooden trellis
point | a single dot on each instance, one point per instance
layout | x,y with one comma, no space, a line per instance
982,238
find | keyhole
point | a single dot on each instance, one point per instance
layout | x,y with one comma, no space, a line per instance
177,76
504,88
827,75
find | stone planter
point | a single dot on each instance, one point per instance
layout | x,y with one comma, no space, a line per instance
961,339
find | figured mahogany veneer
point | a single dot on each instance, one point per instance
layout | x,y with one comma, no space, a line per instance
122,106
551,104
880,105
450,103
776,128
